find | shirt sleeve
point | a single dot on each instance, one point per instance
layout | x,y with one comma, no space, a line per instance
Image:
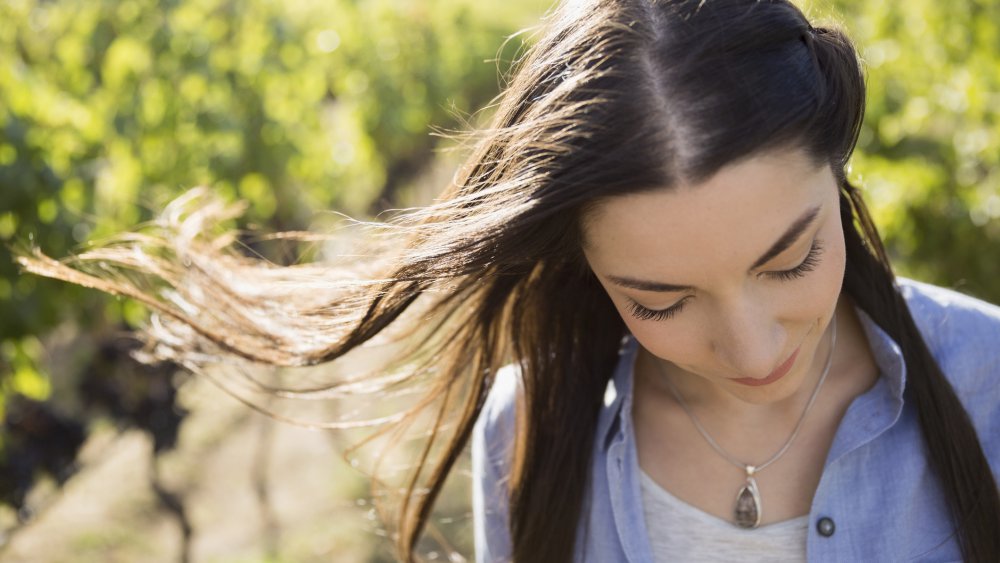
492,439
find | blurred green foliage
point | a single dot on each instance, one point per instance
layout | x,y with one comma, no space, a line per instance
929,152
110,108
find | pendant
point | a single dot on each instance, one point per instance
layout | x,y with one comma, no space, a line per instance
748,511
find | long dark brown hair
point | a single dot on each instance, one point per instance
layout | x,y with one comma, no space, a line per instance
615,97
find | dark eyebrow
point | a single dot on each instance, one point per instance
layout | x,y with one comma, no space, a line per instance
791,235
786,240
643,285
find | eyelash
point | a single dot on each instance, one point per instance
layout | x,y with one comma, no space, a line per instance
647,314
807,265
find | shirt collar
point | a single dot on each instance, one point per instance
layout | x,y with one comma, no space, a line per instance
616,416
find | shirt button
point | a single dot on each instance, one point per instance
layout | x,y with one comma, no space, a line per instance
825,527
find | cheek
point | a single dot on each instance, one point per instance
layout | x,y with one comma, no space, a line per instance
828,279
678,339
813,297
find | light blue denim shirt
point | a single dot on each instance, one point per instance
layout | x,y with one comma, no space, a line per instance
876,487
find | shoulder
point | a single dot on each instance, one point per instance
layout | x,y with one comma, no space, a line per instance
963,334
943,305
494,430
955,326
492,442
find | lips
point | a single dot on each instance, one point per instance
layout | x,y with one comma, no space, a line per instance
775,375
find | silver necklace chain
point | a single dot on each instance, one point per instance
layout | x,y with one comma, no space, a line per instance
751,469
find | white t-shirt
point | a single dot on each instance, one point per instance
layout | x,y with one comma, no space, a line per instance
680,532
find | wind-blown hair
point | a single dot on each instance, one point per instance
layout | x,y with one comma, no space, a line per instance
615,97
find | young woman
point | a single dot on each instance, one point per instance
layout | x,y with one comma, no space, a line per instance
707,354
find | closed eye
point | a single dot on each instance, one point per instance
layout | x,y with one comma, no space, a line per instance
807,265
647,314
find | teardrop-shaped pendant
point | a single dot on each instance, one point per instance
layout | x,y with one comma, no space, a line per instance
748,511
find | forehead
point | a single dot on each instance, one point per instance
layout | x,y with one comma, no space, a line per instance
689,230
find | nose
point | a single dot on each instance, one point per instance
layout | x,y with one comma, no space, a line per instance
748,339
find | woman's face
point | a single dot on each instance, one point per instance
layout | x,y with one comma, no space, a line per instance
733,280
